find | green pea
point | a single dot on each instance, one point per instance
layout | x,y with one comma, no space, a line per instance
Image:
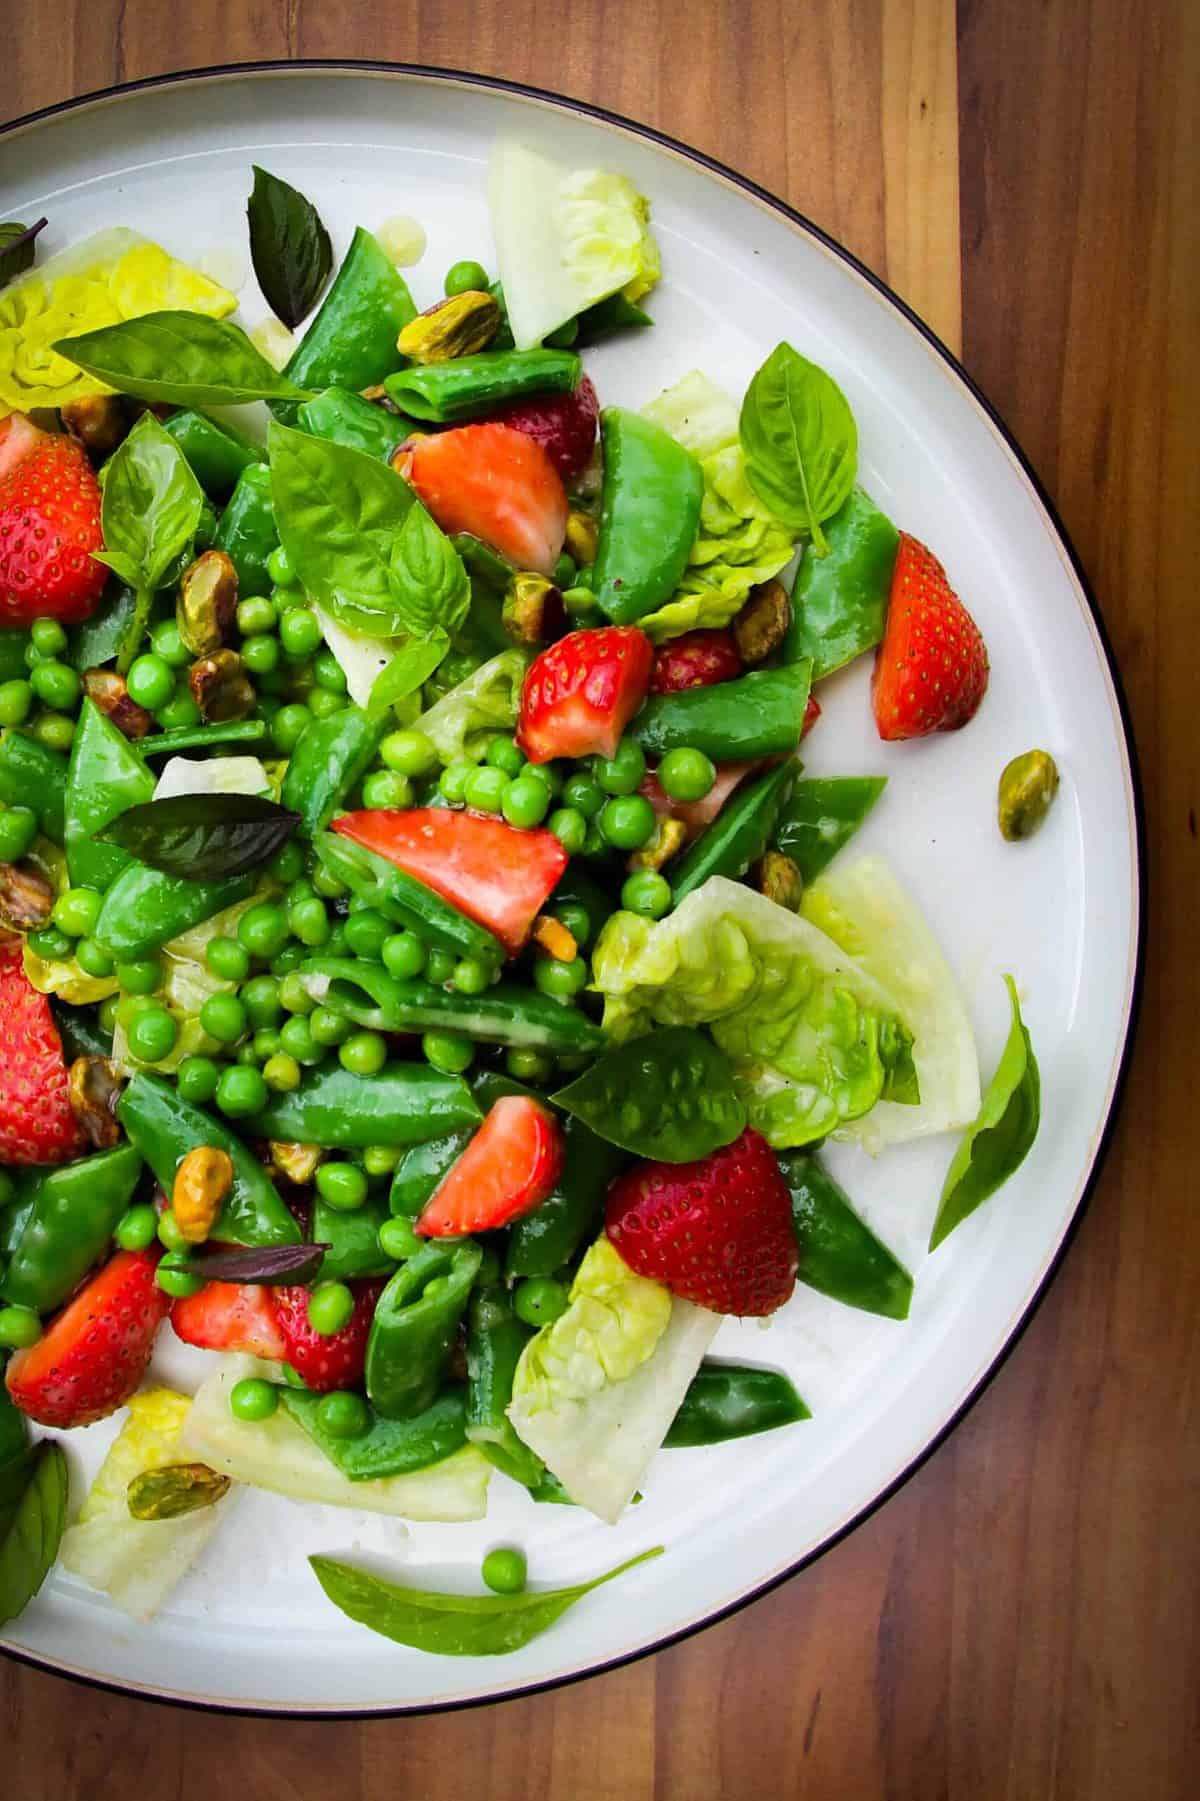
177,1280
344,1415
565,570
384,788
57,685
151,681
179,712
223,1017
465,278
20,1327
241,1091
409,753
623,773
280,567
248,1055
449,1052
686,774
308,921
106,1013
452,783
627,822
398,1239
141,975
363,1053
16,701
439,966
529,1066
152,1035
561,980
281,1073
549,774
485,788
48,637
227,959
328,672
648,893
197,1079
570,828
285,596
54,730
297,1040
137,1228
263,929
503,754
322,704
169,1233
579,601
289,726
330,1308
583,794
93,959
264,1044
299,633
539,1300
293,995
526,802
287,866
166,643
328,1027
18,829
471,977
367,932
261,655
50,944
403,956
575,916
260,997
504,1571
288,959
381,1159
76,911
253,1399
342,1185
255,616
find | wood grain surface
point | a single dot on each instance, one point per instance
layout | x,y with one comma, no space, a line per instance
1021,1622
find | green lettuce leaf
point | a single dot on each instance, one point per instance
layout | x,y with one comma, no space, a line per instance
696,412
487,701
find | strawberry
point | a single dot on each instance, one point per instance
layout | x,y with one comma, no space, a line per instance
717,1232
508,1169
696,814
697,660
581,693
94,1353
326,1363
812,712
563,424
49,526
36,1121
496,483
931,671
498,876
230,1316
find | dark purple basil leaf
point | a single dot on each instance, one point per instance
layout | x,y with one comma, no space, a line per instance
268,1264
289,247
205,837
17,248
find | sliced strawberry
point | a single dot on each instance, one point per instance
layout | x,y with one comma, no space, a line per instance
49,526
498,876
230,1316
581,693
717,1232
697,660
563,424
812,712
931,671
696,814
326,1363
36,1121
508,1169
94,1353
496,483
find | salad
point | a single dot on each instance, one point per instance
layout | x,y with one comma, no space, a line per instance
427,973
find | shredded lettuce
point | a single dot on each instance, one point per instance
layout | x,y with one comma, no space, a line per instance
487,701
596,1391
362,660
211,775
565,238
696,412
815,1040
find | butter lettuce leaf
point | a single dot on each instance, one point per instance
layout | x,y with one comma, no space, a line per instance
487,701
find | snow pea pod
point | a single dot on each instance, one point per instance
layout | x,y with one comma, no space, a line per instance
405,1103
15,1214
757,715
839,601
347,418
468,386
506,1013
32,776
733,1400
144,908
822,815
332,756
246,530
75,1211
215,454
606,317
420,1171
495,1340
840,1256
105,775
740,833
13,645
406,900
165,1128
649,511
352,341
202,737
388,1447
353,1241
415,1326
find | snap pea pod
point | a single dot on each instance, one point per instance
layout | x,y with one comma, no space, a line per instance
406,900
757,715
145,908
406,1103
649,511
733,1400
347,418
415,1326
352,341
75,1211
820,816
740,833
840,1256
202,737
105,775
332,756
839,601
165,1128
419,1173
606,317
468,386
16,1214
353,1241
495,1340
13,645
506,1013
388,1447
99,638
481,560
246,530
216,454
32,776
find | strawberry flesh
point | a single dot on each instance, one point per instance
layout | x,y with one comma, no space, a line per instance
931,671
563,424
326,1363
497,483
94,1353
49,527
696,660
36,1121
230,1316
581,693
508,1169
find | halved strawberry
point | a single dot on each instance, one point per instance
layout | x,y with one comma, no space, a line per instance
230,1316
563,424
931,671
94,1353
326,1363
508,1169
581,693
696,660
498,876
36,1121
496,483
812,712
49,526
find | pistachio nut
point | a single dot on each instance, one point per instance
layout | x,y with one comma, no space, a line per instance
668,840
1027,787
298,1162
583,535
108,691
99,421
175,1489
533,608
207,603
459,326
762,624
221,688
94,1088
26,897
778,877
202,1181
554,938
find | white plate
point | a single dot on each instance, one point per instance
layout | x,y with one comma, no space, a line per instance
250,1627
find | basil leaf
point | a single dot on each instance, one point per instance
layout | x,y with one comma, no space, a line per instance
800,442
411,666
999,1141
99,638
452,1625
266,1264
205,837
30,1544
17,248
151,506
668,1096
184,359
429,582
289,247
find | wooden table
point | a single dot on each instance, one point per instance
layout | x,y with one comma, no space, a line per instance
1022,1620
